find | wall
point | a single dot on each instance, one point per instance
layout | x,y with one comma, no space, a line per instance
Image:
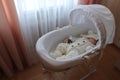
113,5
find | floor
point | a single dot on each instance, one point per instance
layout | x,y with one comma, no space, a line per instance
105,70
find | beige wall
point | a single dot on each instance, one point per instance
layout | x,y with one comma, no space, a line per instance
114,6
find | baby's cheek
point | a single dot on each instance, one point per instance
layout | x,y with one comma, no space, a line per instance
93,41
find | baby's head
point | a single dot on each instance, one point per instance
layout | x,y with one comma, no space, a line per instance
92,40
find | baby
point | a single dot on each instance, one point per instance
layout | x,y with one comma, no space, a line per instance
74,46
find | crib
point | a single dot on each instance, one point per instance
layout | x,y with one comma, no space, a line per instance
97,18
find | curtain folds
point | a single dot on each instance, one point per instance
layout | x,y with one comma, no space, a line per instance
13,54
38,17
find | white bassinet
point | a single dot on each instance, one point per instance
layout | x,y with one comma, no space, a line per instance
97,18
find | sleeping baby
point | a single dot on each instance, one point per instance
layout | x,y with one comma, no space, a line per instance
75,47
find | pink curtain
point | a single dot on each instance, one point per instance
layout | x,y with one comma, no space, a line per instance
13,54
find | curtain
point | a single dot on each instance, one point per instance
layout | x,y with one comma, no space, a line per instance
13,54
37,17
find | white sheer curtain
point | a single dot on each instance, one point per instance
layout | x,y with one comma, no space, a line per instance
37,17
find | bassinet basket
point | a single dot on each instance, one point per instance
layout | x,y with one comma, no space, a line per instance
97,18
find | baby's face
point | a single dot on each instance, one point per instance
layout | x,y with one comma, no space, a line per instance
77,43
93,41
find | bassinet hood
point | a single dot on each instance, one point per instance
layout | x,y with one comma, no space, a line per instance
80,14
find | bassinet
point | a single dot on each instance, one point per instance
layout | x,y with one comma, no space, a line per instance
97,18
